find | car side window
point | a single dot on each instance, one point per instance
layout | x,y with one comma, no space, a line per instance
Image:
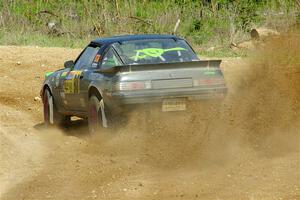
86,58
110,59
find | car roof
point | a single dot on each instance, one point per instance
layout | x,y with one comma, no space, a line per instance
123,38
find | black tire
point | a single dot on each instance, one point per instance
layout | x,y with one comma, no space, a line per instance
94,115
50,109
46,98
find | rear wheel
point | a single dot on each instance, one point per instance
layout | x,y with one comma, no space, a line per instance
96,115
51,115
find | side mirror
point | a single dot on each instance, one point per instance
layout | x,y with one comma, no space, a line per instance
69,64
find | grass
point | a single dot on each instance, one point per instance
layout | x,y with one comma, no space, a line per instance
205,24
42,40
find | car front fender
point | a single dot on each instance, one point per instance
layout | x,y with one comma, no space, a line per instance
46,84
95,86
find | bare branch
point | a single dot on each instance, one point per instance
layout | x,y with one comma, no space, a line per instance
176,26
298,2
47,12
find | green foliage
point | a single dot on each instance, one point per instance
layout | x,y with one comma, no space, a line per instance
204,23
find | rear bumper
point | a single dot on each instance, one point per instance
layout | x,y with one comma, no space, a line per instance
154,96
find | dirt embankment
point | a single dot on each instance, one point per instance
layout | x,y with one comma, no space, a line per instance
246,147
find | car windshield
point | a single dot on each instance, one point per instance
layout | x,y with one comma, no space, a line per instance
155,51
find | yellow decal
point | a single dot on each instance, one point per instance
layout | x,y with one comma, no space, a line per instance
72,82
74,73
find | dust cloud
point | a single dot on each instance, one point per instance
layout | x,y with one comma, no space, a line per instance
260,112
259,115
243,147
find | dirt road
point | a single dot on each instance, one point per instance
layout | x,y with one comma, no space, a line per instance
246,147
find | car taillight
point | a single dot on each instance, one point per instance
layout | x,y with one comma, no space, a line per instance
208,81
133,85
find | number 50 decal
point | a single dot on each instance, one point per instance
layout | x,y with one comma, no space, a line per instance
72,82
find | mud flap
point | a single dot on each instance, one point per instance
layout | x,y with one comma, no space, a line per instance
104,120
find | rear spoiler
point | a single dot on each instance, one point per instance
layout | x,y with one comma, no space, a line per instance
177,65
191,64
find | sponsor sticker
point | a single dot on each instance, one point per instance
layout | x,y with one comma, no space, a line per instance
72,83
94,65
97,58
64,74
48,74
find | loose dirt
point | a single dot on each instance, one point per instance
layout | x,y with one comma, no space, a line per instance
246,147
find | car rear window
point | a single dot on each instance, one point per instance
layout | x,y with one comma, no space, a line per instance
155,51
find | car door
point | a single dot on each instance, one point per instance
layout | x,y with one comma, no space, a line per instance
73,79
104,80
110,59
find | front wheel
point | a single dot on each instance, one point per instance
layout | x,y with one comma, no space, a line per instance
48,108
51,115
96,115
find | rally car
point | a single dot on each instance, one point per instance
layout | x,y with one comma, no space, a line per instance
111,73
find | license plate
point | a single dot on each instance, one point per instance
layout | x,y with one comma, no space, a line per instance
173,105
